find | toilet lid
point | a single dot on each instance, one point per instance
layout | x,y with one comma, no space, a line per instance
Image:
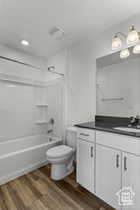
59,151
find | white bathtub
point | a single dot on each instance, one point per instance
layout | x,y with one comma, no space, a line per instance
23,155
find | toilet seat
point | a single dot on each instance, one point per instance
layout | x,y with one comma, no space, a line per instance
59,151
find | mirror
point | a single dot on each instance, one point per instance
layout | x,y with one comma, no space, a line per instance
118,85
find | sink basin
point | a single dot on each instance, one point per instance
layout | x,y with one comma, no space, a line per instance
134,130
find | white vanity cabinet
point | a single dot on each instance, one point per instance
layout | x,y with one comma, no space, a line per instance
108,164
108,174
117,169
86,158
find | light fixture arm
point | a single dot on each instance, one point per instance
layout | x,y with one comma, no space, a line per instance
121,34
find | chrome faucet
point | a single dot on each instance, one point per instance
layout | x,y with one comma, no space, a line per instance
135,121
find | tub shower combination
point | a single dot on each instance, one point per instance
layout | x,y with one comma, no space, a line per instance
23,155
26,106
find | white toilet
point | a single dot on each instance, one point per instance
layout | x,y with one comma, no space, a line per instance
61,157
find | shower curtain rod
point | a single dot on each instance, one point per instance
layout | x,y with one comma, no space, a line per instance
29,65
19,62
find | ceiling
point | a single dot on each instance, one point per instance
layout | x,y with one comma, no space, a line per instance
33,19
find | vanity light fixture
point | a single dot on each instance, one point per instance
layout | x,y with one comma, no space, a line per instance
124,53
116,42
132,38
136,49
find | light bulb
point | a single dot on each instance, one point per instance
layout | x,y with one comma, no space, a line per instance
116,43
24,42
124,53
133,36
136,49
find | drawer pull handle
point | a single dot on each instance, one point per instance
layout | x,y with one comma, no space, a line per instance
125,163
91,151
84,134
117,161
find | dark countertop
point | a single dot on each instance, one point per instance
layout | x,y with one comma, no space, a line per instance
108,127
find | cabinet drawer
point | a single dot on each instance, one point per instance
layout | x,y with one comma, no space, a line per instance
120,142
86,134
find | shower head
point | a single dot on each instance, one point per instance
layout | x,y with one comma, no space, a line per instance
51,68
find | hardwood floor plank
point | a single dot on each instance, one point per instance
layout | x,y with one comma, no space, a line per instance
51,203
15,197
58,193
90,198
38,205
85,196
24,194
36,191
9,202
3,202
76,196
40,187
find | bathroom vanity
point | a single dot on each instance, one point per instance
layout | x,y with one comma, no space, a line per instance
108,151
108,161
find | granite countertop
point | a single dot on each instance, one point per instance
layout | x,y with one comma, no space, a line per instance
108,127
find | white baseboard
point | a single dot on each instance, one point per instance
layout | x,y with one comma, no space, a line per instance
22,172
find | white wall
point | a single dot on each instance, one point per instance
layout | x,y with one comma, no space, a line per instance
80,84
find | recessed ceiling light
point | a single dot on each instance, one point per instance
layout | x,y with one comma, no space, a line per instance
24,42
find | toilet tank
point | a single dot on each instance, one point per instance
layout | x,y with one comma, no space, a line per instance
71,137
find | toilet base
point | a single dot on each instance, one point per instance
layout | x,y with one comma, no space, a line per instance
60,171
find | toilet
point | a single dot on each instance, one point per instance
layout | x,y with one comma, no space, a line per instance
62,157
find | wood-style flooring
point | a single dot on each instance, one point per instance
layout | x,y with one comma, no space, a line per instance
36,191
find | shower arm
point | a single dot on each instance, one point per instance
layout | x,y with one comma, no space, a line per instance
52,70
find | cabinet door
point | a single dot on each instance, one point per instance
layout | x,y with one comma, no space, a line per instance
108,174
85,164
131,179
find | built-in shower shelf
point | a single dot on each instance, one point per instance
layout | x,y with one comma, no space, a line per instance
42,105
42,122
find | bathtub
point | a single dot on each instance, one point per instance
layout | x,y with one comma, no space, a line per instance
22,155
